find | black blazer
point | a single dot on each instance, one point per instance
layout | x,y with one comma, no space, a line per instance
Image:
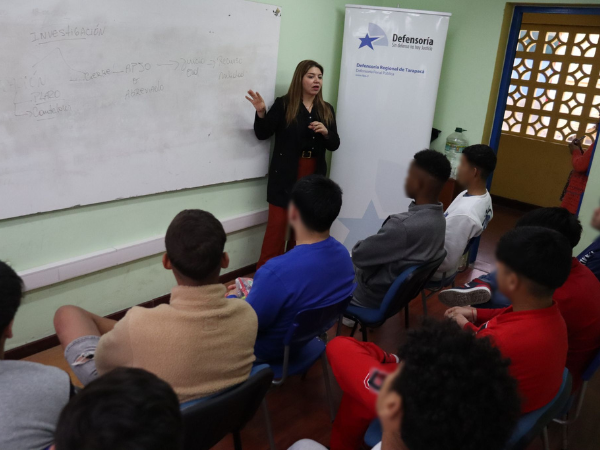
290,142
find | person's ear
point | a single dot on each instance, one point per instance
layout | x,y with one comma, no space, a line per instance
225,260
513,282
166,262
391,412
8,333
52,447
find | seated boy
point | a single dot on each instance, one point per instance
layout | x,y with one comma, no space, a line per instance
200,343
31,395
471,211
532,263
405,239
317,272
578,299
590,257
125,409
426,402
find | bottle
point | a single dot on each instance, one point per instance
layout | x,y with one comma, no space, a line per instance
455,143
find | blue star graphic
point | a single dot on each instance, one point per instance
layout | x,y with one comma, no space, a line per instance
367,41
361,228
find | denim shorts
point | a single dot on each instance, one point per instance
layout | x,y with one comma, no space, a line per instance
80,355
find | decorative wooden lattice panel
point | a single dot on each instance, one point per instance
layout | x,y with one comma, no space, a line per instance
555,85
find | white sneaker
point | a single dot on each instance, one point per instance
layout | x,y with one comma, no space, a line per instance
348,322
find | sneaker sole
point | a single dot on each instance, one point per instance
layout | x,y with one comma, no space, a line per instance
465,297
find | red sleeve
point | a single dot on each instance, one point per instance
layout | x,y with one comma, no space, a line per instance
581,162
484,314
352,362
469,326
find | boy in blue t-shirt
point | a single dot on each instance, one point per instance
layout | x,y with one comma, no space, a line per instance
590,257
317,272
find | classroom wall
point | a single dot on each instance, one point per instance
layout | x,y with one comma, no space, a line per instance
309,29
531,171
466,93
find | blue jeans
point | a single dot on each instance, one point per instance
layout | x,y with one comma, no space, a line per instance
498,299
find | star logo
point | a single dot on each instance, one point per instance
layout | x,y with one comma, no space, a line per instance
360,228
367,41
374,36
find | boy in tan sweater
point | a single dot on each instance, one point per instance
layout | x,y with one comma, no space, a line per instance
200,343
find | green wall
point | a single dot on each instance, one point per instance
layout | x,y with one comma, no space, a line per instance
309,29
465,90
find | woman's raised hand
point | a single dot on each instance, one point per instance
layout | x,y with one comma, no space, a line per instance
258,103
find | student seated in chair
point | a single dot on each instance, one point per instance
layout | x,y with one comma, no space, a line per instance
127,409
590,257
31,395
405,239
450,391
200,343
471,211
578,299
317,272
532,263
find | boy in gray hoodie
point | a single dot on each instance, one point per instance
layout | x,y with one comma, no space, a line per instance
405,239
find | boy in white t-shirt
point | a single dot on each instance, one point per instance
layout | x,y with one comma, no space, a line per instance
471,211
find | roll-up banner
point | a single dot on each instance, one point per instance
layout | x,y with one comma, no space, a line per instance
391,63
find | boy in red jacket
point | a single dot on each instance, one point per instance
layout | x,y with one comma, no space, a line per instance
532,263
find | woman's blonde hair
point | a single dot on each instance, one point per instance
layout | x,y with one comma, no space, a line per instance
294,96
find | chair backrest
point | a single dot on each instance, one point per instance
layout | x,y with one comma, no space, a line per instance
530,425
314,322
207,422
407,286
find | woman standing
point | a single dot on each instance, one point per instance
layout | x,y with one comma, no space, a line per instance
575,187
304,128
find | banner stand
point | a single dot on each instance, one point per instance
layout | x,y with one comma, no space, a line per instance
391,63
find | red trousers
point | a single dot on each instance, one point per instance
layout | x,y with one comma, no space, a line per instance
277,224
357,367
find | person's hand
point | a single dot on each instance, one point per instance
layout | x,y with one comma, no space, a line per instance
232,290
575,144
469,314
318,127
258,103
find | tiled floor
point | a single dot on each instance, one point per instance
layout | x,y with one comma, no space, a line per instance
299,407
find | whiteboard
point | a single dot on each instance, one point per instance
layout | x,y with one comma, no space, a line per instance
109,99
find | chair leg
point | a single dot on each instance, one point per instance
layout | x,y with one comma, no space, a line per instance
327,385
424,297
406,316
354,328
339,325
365,336
237,440
565,436
267,416
545,438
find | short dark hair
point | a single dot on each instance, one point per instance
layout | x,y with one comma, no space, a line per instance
318,200
434,163
557,219
126,409
481,156
195,242
541,255
456,390
11,292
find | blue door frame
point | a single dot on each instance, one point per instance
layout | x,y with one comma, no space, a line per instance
509,57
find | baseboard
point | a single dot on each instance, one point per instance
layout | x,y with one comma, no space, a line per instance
52,341
513,204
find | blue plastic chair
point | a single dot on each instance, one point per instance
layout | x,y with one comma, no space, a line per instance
535,422
576,401
206,421
529,426
435,286
406,287
308,338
